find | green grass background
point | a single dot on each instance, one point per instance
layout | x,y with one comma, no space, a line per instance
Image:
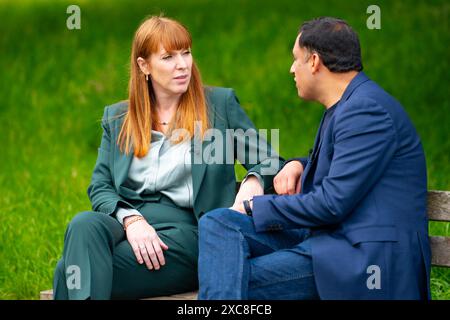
55,82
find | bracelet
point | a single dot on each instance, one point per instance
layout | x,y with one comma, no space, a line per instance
132,220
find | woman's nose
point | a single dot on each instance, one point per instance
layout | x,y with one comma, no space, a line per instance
181,63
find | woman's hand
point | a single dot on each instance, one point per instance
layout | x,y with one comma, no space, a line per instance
287,181
251,187
146,244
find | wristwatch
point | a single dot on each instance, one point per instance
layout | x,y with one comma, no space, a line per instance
247,207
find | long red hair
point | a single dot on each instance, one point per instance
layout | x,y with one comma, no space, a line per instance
141,117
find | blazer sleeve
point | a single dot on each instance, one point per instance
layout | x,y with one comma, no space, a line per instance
250,148
101,191
365,142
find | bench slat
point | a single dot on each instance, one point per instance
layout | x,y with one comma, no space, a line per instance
180,296
48,295
439,205
440,251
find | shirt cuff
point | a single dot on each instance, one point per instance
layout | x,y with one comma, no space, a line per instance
123,213
257,175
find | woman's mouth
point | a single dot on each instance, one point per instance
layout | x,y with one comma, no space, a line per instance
181,77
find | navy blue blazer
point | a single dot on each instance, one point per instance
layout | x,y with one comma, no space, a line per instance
363,195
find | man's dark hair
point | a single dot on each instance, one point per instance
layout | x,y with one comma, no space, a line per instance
334,41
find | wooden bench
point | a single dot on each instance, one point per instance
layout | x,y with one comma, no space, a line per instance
438,210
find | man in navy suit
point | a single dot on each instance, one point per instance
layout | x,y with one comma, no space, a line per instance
349,221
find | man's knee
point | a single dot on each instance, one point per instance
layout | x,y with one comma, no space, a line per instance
211,218
222,217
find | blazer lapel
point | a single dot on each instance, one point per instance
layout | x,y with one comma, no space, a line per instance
316,148
121,161
121,166
198,162
198,169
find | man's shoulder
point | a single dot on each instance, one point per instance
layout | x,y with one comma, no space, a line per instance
366,106
372,98
371,92
358,103
368,95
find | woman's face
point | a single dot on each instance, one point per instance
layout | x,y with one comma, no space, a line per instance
170,71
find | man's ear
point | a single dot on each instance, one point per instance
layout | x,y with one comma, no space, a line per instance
143,65
315,63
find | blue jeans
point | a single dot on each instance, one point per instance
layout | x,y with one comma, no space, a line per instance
236,262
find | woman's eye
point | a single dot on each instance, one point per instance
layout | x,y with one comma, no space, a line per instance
186,52
167,57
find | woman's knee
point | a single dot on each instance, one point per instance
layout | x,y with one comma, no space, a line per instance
86,220
59,281
59,275
59,269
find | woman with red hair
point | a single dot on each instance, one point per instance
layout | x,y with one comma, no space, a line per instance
147,189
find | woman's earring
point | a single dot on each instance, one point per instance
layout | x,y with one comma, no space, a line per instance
146,77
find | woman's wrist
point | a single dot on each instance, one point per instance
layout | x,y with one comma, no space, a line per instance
130,220
123,213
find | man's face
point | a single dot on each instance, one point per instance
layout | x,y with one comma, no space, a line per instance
301,69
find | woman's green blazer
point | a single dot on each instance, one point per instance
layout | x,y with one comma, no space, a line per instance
214,180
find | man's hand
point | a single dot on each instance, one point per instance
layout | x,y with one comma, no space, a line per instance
146,244
251,187
287,181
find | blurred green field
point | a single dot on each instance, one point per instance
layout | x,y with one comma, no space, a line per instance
55,82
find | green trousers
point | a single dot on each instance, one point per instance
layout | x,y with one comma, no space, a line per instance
98,261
